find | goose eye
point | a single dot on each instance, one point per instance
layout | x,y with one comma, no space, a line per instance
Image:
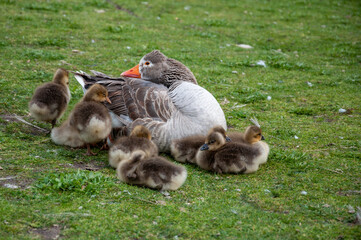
212,141
147,63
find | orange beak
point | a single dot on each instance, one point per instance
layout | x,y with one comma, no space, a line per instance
108,100
133,72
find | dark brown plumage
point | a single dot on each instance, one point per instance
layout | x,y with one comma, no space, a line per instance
139,139
51,99
154,172
185,149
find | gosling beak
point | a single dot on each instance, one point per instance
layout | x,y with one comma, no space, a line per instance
133,72
204,147
108,100
228,139
262,138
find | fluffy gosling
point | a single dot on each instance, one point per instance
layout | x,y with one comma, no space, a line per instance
88,123
233,157
123,147
51,99
154,172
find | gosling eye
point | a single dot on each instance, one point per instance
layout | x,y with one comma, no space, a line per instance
211,142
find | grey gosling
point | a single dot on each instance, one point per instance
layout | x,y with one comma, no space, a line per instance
88,123
154,172
233,157
185,149
139,139
51,99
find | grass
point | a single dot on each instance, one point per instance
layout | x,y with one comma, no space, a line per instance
310,187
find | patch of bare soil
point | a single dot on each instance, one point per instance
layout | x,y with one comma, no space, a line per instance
15,182
47,233
90,166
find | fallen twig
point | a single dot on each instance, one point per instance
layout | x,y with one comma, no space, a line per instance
7,178
34,126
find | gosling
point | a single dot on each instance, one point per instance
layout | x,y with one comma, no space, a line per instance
88,123
154,172
185,149
139,139
234,157
51,99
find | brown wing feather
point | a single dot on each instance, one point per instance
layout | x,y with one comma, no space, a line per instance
132,97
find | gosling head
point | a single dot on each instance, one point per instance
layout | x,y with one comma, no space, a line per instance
97,93
215,139
220,130
61,76
253,133
141,132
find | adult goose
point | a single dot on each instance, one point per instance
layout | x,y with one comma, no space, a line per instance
161,94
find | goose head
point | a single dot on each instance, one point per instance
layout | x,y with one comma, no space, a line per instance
61,76
158,68
215,139
253,134
97,93
141,132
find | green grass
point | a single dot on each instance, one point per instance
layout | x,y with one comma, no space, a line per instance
301,42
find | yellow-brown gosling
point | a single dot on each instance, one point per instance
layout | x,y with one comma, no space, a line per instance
88,123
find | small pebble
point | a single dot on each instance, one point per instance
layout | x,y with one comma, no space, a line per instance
304,193
351,209
269,98
261,63
341,110
235,72
244,46
296,137
309,84
12,186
